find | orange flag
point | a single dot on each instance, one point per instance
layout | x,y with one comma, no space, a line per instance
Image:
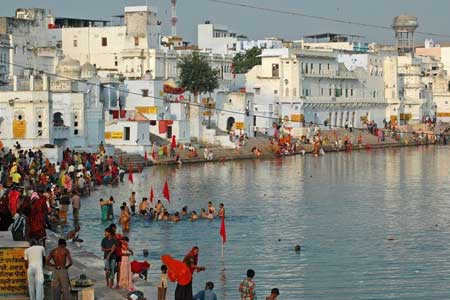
152,195
223,232
130,174
166,192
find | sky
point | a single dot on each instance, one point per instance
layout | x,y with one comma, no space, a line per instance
257,24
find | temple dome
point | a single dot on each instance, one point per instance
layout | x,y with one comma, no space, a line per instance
68,67
88,71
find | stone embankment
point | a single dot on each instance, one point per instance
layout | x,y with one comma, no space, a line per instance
226,154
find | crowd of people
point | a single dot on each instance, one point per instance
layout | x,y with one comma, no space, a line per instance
157,212
119,272
35,194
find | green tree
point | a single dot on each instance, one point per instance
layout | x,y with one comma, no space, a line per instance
197,76
244,62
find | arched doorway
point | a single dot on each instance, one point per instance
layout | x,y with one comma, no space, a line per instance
58,119
230,123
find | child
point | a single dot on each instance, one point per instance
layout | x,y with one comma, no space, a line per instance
273,294
162,285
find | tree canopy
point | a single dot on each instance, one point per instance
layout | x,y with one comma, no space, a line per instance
244,62
196,75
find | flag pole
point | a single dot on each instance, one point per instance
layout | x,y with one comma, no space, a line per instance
222,247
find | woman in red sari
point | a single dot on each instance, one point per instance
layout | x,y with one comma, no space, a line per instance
184,292
36,218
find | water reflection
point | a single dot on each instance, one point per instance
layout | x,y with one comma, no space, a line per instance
366,222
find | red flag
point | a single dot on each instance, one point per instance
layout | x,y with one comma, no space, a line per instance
223,232
130,174
166,192
152,195
145,156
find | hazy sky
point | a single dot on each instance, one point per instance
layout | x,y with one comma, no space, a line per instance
256,24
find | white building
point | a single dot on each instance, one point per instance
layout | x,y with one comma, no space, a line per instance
32,41
4,58
129,49
220,39
297,86
65,111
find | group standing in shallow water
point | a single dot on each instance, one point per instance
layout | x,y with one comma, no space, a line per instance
156,213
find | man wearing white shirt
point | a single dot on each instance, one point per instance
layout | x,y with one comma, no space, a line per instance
34,258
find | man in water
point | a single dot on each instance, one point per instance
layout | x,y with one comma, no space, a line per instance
34,258
132,200
62,261
143,207
221,213
211,210
75,205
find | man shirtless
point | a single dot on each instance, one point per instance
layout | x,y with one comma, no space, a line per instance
62,261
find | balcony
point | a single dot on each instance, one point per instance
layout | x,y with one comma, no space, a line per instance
61,132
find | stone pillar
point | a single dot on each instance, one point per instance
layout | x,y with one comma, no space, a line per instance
45,82
31,82
15,83
195,121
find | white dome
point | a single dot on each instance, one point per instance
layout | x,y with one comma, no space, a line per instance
88,71
69,67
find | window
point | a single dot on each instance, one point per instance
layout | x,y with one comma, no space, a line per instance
294,92
306,68
448,87
351,92
275,92
321,92
104,42
115,63
346,93
136,41
275,70
126,134
57,119
320,68
329,91
144,93
75,125
328,66
287,92
39,125
75,43
257,91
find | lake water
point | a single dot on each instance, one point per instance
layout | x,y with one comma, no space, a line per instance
372,224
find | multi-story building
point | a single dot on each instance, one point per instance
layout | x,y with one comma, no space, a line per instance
297,86
65,111
4,58
217,38
32,42
130,49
